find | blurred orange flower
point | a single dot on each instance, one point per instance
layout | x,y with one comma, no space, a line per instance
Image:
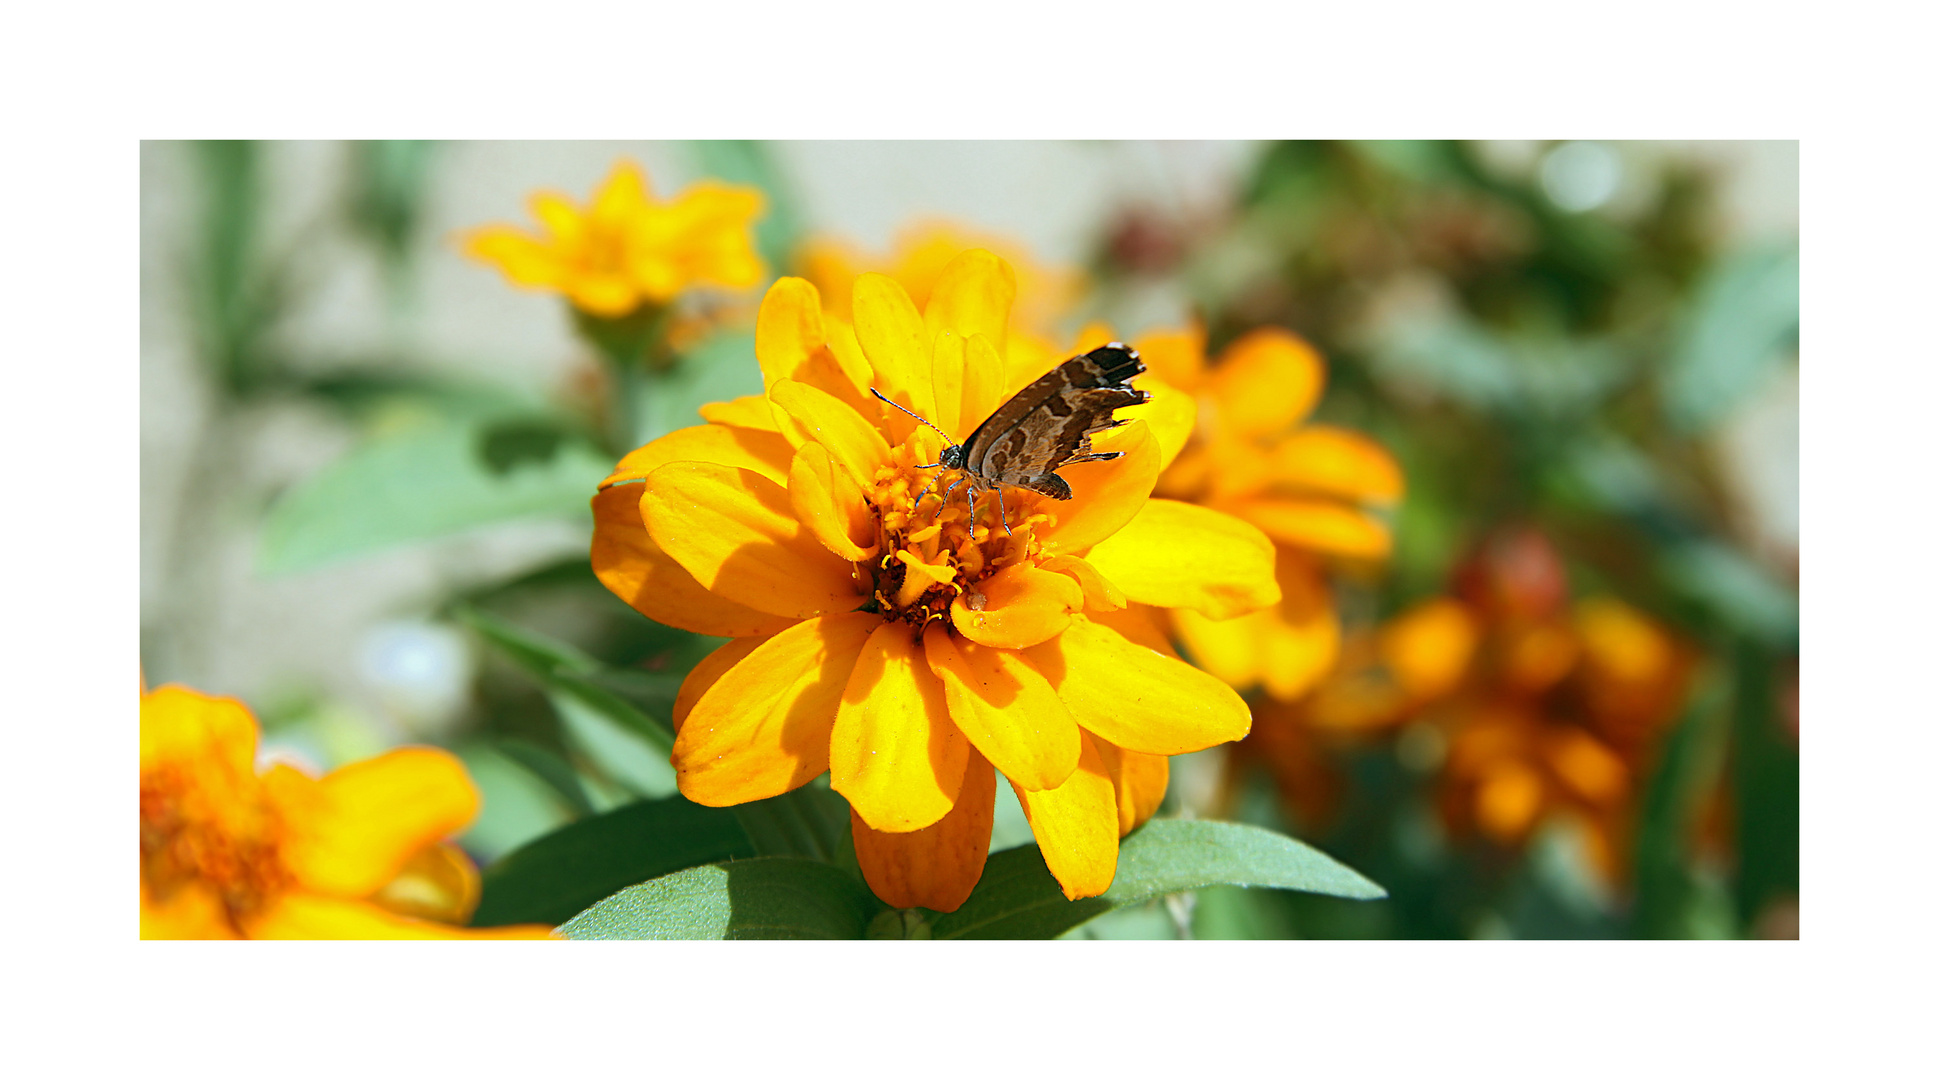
1310,487
626,250
1547,709
916,261
911,652
230,852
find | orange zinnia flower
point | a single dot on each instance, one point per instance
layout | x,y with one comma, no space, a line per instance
1307,486
626,250
228,852
901,647
921,251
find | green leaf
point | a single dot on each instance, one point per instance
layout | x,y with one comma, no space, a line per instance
1018,897
1687,770
564,872
768,897
426,480
720,368
810,821
572,679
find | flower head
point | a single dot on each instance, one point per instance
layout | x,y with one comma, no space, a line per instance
888,633
626,251
1310,487
231,852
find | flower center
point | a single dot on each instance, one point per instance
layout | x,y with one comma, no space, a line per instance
932,549
220,833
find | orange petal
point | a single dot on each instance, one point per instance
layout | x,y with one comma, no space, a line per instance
735,532
936,867
1076,825
179,725
807,414
1010,714
1105,494
751,411
1318,525
895,756
190,912
1288,647
1175,554
831,504
1265,382
763,727
304,917
374,815
890,331
1176,356
1016,607
1135,697
1335,461
1099,593
1138,779
1427,648
764,453
628,562
708,672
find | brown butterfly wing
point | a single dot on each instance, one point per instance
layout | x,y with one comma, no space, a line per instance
1051,421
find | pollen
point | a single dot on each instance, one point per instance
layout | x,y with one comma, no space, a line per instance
932,549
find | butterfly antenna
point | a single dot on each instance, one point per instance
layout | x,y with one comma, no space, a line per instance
919,419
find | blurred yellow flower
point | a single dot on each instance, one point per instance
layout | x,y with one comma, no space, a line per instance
230,852
912,652
626,250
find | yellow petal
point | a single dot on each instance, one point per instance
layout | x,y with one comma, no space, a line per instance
1138,779
1141,623
375,815
1105,494
1076,825
1288,647
972,296
763,727
939,866
619,199
735,532
807,414
561,219
751,411
1265,382
741,448
305,917
190,912
628,562
179,725
946,382
1172,414
1016,607
1318,525
524,260
1335,461
1135,697
708,672
1175,554
890,331
439,883
788,329
1007,710
1099,593
895,755
982,383
831,504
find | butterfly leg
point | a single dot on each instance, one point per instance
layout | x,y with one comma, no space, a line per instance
1001,514
972,517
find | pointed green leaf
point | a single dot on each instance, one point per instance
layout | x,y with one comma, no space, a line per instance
563,872
1018,897
767,897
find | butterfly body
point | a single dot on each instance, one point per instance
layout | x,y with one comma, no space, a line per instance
1046,425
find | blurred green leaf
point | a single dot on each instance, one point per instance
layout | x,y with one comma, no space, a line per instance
1686,771
1744,316
1735,588
720,368
593,723
550,768
572,679
1018,897
1230,913
425,481
810,821
768,897
564,872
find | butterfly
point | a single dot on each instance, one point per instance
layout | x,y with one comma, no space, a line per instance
1042,428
